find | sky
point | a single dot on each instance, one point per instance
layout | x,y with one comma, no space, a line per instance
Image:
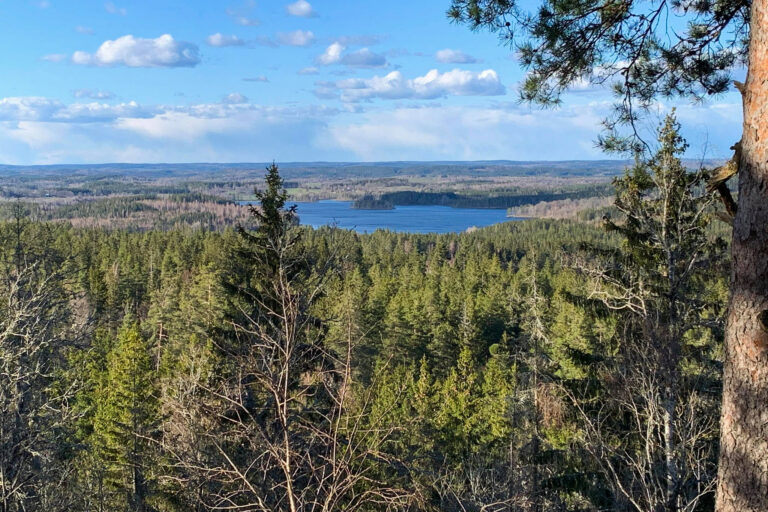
88,81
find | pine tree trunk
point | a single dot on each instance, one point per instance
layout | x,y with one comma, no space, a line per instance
743,471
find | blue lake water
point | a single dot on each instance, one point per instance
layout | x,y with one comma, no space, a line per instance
411,219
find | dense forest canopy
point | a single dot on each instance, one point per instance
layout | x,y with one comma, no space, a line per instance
528,366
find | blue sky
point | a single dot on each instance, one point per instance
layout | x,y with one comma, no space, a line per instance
88,81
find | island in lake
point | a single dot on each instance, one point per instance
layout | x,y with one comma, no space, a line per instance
369,202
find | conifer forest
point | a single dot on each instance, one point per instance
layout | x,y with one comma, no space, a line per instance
542,365
494,256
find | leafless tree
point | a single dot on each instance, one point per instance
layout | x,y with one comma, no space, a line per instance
33,408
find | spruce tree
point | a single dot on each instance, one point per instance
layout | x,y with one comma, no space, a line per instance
283,430
125,422
655,286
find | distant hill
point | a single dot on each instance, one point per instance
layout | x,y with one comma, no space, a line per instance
293,170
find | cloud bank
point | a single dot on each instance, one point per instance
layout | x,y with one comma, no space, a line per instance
33,108
363,58
43,130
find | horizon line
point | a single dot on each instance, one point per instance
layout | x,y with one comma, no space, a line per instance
339,162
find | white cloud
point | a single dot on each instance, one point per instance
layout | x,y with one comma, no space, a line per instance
175,126
84,30
301,8
308,71
301,38
332,54
432,85
43,4
234,98
364,58
260,78
111,8
242,15
55,57
296,38
92,94
448,56
243,19
130,51
28,108
102,112
220,40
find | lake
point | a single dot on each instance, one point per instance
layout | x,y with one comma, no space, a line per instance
411,219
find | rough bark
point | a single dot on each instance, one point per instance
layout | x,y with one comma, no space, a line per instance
743,472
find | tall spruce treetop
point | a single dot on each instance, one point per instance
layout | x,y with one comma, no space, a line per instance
270,251
272,212
676,48
274,220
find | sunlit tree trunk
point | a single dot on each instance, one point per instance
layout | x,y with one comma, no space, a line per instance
743,472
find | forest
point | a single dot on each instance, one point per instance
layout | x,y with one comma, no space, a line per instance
538,365
496,199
